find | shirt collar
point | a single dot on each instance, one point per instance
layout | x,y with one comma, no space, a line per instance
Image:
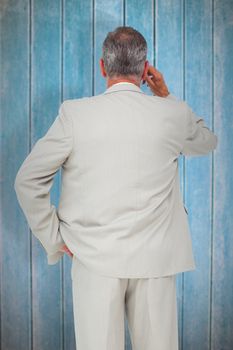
123,86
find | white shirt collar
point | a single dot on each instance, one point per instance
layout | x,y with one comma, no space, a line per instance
124,82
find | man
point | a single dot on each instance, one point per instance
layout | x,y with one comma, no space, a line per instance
121,216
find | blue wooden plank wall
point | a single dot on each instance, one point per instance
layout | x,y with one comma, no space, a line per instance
50,52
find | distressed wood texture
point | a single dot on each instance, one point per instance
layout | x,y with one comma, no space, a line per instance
50,52
169,59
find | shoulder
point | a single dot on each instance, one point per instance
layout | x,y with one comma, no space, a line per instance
79,101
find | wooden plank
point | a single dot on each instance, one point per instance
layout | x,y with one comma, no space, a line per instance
222,299
170,60
15,239
46,98
77,82
198,180
78,48
108,16
143,21
140,15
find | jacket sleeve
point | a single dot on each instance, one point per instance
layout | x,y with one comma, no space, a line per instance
199,139
34,180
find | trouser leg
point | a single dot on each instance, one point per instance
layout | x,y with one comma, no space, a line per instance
98,307
151,311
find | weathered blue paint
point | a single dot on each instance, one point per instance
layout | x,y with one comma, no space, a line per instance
47,296
50,52
169,59
15,264
222,280
198,174
76,80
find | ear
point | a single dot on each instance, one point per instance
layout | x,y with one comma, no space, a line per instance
102,69
146,67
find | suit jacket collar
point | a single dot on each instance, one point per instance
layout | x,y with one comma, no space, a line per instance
123,86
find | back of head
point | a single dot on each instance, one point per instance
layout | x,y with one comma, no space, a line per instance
124,52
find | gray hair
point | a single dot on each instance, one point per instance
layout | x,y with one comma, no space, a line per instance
124,52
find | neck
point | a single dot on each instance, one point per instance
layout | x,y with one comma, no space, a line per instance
112,81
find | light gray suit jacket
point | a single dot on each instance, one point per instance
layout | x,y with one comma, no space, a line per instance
121,210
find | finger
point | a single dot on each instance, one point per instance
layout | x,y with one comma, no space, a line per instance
155,89
157,85
150,83
149,80
69,252
65,249
151,70
155,73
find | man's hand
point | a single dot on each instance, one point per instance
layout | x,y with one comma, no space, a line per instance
156,82
65,249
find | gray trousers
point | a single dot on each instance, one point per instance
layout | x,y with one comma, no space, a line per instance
100,304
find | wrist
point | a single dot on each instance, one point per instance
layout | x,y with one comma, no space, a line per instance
163,93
